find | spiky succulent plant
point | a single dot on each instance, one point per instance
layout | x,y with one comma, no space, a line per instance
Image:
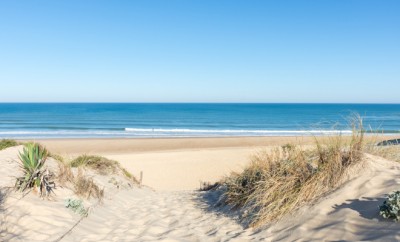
33,158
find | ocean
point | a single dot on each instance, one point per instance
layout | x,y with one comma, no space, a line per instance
138,120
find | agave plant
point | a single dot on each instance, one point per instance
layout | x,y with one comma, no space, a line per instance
32,160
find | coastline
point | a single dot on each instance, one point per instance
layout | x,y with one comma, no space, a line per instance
74,146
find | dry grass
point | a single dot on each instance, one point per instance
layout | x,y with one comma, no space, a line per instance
65,175
85,187
279,182
82,185
7,143
57,157
129,175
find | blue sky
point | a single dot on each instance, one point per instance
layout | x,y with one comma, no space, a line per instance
200,51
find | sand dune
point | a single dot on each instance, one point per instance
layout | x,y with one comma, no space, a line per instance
142,214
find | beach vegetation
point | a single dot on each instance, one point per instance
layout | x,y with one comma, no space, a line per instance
85,187
7,143
100,164
57,157
35,175
82,185
65,174
277,183
390,208
76,205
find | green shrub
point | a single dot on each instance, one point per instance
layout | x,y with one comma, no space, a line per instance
391,207
76,206
6,143
32,161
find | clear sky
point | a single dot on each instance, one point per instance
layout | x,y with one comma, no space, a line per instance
200,51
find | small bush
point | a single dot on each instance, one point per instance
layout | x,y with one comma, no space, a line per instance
391,207
7,143
76,206
32,160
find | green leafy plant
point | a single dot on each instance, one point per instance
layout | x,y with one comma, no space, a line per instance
32,160
391,206
76,206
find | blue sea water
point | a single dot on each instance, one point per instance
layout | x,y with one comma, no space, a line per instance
83,120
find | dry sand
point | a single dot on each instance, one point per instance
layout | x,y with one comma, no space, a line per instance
171,214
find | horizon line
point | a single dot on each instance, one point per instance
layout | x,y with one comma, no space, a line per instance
49,102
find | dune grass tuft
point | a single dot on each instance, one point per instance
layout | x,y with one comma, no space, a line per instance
7,143
57,157
100,164
279,182
65,174
85,187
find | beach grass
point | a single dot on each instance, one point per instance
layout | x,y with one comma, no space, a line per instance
100,164
279,182
84,186
7,143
